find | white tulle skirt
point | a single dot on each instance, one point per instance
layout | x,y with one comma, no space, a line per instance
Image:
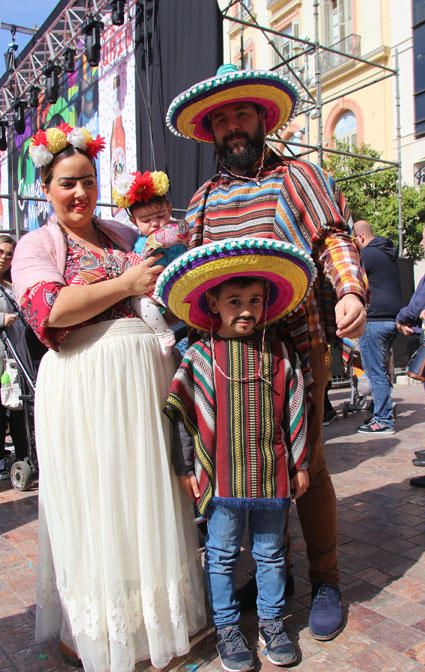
119,576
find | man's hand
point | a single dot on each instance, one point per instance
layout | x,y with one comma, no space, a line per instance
190,486
350,316
404,329
299,483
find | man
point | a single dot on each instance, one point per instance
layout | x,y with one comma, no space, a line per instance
411,320
257,193
379,257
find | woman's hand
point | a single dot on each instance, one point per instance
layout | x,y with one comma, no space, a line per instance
141,279
9,319
190,486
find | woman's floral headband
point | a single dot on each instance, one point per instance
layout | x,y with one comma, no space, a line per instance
139,188
45,144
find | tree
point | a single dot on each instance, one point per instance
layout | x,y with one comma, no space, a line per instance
372,195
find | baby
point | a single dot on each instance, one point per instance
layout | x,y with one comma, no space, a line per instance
159,234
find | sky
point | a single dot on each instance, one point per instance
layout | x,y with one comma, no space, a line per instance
27,13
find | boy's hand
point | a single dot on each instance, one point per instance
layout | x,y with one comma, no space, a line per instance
299,483
190,486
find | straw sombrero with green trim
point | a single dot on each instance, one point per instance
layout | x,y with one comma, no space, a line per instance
188,114
182,285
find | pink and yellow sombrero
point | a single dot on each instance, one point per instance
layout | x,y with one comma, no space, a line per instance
182,285
188,114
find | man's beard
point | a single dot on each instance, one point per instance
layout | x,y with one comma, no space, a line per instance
246,158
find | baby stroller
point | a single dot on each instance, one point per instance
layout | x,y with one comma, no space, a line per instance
359,382
22,345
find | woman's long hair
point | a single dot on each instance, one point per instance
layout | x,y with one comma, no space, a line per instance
5,238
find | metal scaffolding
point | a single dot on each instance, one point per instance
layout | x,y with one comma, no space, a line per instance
65,31
312,100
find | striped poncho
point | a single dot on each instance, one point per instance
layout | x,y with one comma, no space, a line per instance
248,437
289,200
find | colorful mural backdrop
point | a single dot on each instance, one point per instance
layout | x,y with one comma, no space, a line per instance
99,98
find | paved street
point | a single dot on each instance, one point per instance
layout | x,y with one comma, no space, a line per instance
381,552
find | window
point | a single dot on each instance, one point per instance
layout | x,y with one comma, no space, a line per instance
419,174
346,130
244,7
285,48
294,150
337,21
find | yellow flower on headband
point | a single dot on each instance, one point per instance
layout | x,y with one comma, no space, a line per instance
120,200
56,140
161,182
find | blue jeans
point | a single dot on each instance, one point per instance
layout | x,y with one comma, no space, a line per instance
222,546
375,345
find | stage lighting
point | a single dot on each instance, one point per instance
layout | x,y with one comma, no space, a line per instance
117,14
10,57
91,30
34,91
68,60
3,134
52,72
19,115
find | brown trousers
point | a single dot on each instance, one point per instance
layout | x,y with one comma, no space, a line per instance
317,508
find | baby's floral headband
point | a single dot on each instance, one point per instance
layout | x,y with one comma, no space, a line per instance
45,144
139,187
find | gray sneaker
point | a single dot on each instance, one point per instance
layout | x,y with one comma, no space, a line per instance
232,647
278,647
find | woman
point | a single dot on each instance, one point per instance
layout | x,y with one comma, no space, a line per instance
8,316
118,559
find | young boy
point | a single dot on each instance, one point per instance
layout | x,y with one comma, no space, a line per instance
160,235
238,411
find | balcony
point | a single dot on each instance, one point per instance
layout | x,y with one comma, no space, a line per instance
349,45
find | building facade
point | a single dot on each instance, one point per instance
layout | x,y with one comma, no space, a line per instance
354,101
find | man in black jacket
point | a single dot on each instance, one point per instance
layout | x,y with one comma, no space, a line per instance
379,257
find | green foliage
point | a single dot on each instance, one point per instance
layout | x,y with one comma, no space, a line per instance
374,197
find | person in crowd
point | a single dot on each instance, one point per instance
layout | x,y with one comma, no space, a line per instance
109,504
13,420
160,235
259,193
379,258
241,445
411,320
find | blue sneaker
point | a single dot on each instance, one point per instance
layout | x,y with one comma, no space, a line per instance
277,646
233,650
326,618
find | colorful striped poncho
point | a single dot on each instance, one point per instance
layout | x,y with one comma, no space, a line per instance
289,200
248,437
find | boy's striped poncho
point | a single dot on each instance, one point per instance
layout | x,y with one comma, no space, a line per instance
246,435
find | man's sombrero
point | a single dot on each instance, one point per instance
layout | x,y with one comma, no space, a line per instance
188,114
182,285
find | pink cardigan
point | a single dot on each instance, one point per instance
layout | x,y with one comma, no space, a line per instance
41,254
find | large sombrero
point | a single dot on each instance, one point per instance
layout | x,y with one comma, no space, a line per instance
188,114
182,285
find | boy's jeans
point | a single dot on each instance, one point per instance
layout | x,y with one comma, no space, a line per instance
222,546
375,345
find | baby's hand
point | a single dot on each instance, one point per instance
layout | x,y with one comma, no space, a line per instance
299,483
190,486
